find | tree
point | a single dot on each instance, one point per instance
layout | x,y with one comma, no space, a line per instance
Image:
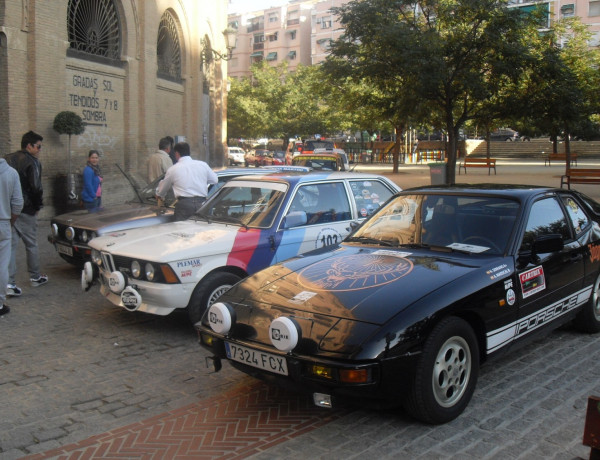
276,103
453,54
369,104
69,123
561,90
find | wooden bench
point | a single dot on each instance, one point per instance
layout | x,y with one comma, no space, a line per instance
580,176
469,162
560,157
591,430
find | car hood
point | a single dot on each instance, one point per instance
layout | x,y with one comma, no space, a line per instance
342,297
168,242
113,218
358,284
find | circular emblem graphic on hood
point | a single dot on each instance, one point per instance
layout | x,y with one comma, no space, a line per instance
354,272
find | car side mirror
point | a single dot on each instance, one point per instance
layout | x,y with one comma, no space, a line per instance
295,219
548,243
543,244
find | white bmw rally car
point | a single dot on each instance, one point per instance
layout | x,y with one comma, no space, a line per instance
251,223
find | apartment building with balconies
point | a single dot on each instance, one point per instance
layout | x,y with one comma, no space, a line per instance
275,35
588,12
301,31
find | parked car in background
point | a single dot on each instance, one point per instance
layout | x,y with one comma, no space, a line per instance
235,155
280,157
504,135
321,161
341,153
295,147
71,232
258,157
404,310
309,145
250,223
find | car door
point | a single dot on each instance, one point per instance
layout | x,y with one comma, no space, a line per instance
319,215
586,232
548,284
367,195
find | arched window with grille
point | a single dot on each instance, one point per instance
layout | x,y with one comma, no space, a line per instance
168,49
94,29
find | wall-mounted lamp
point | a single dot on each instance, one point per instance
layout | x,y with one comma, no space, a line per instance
209,54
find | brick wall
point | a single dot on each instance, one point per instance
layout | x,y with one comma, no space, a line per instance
127,108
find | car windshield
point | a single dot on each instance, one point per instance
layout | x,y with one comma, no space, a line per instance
318,163
147,195
247,203
473,224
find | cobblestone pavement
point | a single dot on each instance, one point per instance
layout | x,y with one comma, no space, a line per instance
81,377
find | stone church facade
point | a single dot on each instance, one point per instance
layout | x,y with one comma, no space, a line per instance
133,70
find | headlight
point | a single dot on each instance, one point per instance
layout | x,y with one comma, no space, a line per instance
84,236
54,230
96,257
70,233
93,235
135,269
149,271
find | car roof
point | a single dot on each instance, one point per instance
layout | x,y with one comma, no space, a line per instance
334,151
242,171
301,177
521,192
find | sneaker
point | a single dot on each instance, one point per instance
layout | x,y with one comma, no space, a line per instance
42,279
12,290
4,309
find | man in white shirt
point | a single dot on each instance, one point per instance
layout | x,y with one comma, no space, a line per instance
160,161
190,180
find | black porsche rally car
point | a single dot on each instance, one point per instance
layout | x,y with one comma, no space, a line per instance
407,307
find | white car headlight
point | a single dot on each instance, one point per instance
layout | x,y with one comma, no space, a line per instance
70,233
54,230
96,258
135,269
84,236
149,271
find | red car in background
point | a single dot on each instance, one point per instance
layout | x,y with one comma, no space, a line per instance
282,158
259,157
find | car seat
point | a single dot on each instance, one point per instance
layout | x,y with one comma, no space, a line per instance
441,230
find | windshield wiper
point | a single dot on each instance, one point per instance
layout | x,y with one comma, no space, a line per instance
369,240
434,247
202,216
236,220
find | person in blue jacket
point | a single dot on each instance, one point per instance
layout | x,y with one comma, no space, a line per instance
92,183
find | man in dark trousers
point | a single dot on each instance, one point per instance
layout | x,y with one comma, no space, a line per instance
190,179
26,162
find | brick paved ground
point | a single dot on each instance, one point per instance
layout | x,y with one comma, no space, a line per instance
80,377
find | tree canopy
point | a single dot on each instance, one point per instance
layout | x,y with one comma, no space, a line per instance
454,55
443,63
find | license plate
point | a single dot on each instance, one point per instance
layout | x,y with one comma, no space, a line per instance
68,250
261,360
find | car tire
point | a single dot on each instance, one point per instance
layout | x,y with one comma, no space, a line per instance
207,291
446,373
588,319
